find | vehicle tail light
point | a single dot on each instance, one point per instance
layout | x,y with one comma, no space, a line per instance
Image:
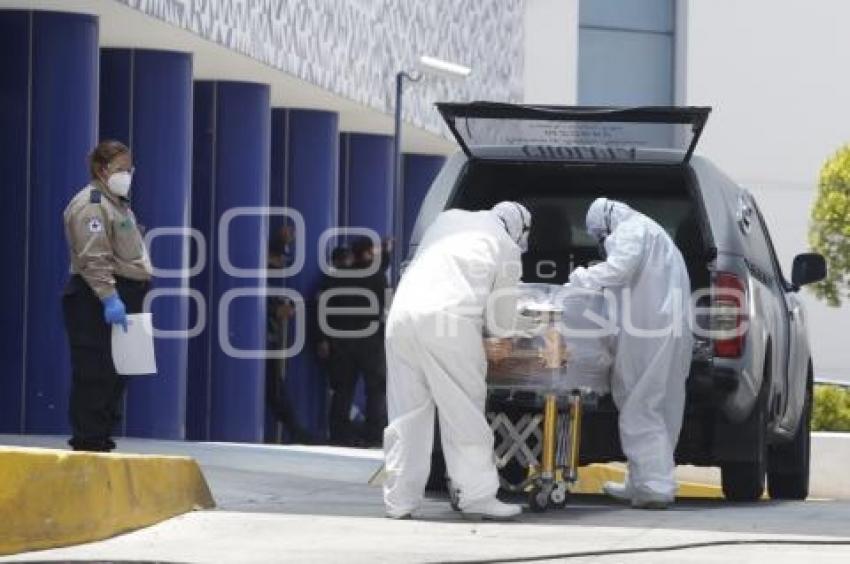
729,315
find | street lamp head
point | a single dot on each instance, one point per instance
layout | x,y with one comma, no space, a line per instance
446,69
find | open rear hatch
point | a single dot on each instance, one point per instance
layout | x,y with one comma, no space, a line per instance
641,135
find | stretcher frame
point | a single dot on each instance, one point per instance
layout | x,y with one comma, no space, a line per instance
551,460
546,444
546,440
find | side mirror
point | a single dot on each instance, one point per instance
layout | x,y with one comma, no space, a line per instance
808,268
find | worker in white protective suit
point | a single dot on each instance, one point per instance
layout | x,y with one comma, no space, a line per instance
462,281
647,274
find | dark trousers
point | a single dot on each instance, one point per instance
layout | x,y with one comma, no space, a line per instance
97,391
349,359
277,400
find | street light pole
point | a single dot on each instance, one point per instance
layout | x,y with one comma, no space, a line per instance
398,181
436,67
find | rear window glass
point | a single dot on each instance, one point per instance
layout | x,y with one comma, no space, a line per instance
570,212
560,195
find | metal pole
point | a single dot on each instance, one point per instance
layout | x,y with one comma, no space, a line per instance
398,203
398,181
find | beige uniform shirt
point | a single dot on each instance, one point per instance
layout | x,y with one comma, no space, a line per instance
104,240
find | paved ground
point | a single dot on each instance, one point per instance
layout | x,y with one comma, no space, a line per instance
313,505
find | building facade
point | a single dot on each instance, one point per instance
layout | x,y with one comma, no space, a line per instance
233,109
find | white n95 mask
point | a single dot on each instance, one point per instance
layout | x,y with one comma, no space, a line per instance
119,183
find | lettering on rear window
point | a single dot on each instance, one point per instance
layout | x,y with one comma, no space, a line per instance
580,153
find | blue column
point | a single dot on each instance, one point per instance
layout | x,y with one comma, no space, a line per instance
419,171
366,180
48,121
231,169
308,144
146,102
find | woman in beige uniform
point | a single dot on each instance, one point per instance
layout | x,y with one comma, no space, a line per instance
110,274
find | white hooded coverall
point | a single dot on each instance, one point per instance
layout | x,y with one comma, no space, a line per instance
647,275
435,352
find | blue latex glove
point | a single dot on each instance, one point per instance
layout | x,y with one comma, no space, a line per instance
114,311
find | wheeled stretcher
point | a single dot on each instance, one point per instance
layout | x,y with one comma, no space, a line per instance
538,385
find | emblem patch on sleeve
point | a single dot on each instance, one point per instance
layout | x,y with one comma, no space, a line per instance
95,225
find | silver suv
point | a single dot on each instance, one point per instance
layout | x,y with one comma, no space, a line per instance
749,391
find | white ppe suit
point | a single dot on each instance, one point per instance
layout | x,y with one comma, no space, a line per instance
435,352
647,275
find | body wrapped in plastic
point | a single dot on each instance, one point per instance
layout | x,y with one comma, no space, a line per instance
569,348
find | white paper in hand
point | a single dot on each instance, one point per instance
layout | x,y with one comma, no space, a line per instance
133,352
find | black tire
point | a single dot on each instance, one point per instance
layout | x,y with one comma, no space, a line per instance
538,501
454,498
788,463
743,481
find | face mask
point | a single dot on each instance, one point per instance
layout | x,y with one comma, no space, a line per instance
119,183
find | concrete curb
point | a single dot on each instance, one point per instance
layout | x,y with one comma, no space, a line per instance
51,498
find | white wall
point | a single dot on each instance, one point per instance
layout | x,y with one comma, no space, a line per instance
551,51
776,73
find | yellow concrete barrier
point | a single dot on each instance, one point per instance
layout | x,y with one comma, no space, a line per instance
592,477
51,498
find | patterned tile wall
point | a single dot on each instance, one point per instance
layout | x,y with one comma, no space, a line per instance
354,47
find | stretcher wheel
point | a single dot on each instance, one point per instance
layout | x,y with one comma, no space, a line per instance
538,500
558,498
454,498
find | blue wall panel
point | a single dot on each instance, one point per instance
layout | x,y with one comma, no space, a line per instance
312,160
48,104
278,191
232,122
203,182
146,102
116,98
366,179
277,198
418,172
14,151
342,194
